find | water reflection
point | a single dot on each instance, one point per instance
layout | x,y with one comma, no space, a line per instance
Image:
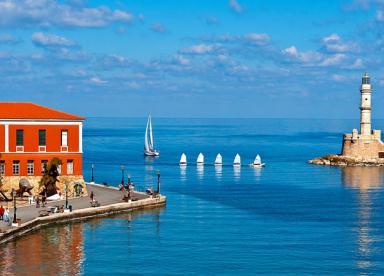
200,171
366,180
183,172
363,178
257,172
60,250
51,251
218,171
236,172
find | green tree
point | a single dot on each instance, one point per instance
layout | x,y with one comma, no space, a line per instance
48,181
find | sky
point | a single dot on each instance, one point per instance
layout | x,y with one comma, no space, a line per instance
193,58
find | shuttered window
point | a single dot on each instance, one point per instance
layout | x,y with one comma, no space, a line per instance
19,137
42,137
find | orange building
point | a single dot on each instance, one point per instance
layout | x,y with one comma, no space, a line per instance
31,135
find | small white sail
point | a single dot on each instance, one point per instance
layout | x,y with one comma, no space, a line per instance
237,160
146,145
200,159
183,159
219,159
151,143
257,160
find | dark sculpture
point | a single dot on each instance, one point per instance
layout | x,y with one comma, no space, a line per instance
24,187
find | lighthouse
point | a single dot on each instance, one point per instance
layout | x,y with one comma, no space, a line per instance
365,106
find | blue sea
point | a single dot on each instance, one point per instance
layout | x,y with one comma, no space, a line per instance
287,218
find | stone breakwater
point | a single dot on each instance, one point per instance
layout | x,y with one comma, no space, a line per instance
346,161
79,215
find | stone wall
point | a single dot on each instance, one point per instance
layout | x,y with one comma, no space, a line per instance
13,182
364,148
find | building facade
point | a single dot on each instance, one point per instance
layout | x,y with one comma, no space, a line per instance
31,135
366,144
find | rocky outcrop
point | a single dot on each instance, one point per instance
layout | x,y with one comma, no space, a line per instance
344,161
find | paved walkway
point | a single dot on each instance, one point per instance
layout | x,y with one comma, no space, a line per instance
104,195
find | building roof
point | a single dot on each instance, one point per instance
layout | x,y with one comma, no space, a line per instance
28,111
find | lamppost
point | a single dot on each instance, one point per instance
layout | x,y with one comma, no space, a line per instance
93,179
122,175
66,195
158,181
14,205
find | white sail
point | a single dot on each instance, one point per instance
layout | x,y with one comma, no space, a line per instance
237,160
219,159
257,160
146,145
183,159
200,158
151,144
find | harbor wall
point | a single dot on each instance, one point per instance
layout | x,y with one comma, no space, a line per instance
80,215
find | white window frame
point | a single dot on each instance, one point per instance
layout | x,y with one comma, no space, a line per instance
16,167
70,167
59,169
64,138
30,167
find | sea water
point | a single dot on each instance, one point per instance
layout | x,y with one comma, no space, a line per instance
289,217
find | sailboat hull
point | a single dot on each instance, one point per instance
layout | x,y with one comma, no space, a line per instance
262,165
151,153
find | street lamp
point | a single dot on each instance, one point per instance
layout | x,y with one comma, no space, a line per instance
14,205
122,175
93,180
158,181
66,195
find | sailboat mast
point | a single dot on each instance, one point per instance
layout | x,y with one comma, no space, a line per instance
151,144
146,146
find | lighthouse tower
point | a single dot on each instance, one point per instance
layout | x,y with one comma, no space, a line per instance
365,106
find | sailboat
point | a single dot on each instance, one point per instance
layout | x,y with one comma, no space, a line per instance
237,160
218,160
257,162
183,160
148,140
200,159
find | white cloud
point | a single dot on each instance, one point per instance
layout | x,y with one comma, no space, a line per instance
46,13
199,49
182,60
333,60
97,81
331,38
257,38
333,43
158,28
234,5
50,40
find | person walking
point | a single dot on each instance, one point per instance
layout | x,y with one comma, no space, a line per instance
92,196
6,216
1,212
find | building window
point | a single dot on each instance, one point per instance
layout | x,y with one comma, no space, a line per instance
16,167
42,137
70,167
30,167
2,167
44,164
59,169
19,137
64,137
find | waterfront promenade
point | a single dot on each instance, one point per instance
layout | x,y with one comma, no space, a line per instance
109,198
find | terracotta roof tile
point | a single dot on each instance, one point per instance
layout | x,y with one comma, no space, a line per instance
25,110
